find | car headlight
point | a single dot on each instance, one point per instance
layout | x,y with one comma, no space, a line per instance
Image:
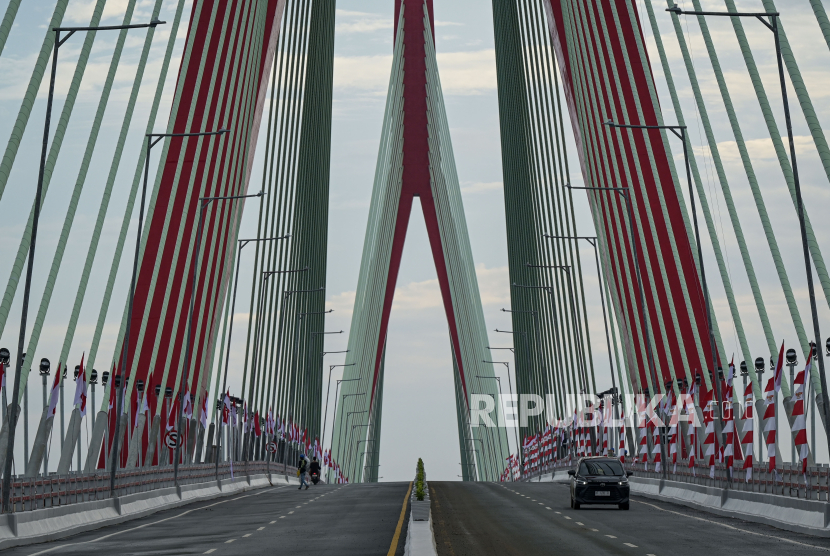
624,482
580,482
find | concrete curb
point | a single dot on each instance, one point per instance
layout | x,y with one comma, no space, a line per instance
420,538
50,524
810,517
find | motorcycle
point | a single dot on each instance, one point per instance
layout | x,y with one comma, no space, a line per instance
315,477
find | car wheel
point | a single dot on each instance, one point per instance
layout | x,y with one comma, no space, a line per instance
624,506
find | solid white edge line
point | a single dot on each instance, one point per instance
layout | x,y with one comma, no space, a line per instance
731,527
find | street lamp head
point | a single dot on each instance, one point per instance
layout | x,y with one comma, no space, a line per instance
105,377
5,356
826,347
44,367
77,371
792,357
156,22
93,377
675,9
609,122
139,384
744,369
759,363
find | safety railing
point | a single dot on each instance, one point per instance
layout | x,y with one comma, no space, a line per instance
33,493
787,479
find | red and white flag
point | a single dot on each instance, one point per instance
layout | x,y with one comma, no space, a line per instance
54,393
257,429
203,415
226,408
749,432
187,408
172,415
709,438
621,451
779,367
769,417
80,389
144,408
729,421
799,424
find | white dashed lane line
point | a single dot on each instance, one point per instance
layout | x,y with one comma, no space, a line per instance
230,541
629,544
210,551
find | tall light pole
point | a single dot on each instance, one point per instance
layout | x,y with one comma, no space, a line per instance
35,219
679,131
328,390
242,243
498,380
203,204
625,192
772,25
592,240
334,416
510,386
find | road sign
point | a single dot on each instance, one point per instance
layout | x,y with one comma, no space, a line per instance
171,439
272,448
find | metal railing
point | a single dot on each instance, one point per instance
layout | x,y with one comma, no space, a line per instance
787,480
34,493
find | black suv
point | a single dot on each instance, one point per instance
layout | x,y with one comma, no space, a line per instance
599,480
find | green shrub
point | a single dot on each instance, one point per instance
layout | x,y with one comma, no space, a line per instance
420,478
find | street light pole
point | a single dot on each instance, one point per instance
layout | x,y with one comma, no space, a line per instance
242,244
772,25
336,397
33,242
326,412
510,386
626,195
203,204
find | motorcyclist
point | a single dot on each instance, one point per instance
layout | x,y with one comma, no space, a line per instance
314,467
302,467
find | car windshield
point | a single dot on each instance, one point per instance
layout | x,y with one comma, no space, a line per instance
598,468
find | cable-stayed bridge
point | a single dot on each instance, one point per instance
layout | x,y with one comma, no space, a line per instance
639,94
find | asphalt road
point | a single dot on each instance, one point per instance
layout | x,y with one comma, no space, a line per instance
355,520
536,518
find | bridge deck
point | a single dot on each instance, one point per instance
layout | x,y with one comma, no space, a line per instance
325,519
489,518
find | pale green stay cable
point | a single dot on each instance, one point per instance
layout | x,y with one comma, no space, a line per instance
107,195
821,17
57,259
30,96
54,151
128,210
780,151
8,21
707,213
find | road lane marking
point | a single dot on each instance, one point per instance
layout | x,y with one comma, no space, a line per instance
291,512
393,548
541,504
210,551
560,513
728,527
547,508
261,528
611,536
230,541
597,531
566,517
139,527
629,544
579,523
247,535
282,516
273,522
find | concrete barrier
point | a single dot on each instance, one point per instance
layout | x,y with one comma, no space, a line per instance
811,517
420,538
51,524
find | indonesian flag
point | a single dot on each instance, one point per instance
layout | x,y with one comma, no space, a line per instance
269,424
54,393
749,432
769,417
144,408
799,424
709,438
203,415
80,389
779,368
673,433
233,416
729,421
644,445
226,408
257,429
692,429
172,414
246,425
188,406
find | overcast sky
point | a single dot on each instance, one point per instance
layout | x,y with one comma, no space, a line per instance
419,417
